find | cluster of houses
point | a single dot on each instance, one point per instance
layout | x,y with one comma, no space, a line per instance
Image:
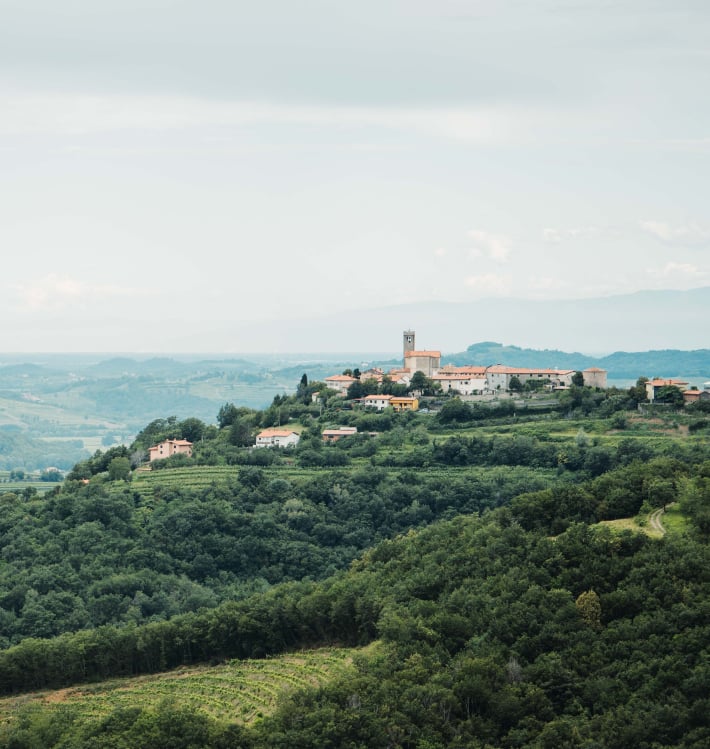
466,380
654,386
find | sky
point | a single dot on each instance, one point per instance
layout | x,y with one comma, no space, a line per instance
168,167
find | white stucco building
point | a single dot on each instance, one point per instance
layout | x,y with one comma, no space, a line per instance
277,438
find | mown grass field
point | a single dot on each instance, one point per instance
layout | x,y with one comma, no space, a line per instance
237,692
16,487
21,413
673,521
91,443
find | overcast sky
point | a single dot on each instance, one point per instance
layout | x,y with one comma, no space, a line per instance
165,164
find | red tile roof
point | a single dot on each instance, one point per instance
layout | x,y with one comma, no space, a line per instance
275,433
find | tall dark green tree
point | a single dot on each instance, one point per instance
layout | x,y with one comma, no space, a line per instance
670,395
302,392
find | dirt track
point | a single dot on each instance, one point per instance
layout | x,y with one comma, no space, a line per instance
654,520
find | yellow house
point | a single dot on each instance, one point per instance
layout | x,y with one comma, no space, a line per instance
404,403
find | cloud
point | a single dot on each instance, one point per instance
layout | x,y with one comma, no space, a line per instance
687,234
54,292
555,236
493,246
672,270
490,283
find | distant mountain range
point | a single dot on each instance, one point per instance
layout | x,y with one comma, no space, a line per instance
646,320
622,364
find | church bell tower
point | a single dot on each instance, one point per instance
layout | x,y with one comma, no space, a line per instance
408,341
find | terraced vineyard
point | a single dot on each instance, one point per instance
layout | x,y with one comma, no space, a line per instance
194,478
238,692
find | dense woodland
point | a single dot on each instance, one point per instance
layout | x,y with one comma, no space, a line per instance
466,542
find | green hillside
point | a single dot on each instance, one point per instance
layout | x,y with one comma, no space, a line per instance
506,561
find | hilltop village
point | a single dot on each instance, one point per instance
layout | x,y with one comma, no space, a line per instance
466,381
422,376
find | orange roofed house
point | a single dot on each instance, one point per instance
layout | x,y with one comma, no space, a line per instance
340,383
654,385
333,435
166,448
696,396
277,438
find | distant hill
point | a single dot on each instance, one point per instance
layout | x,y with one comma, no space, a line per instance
26,369
664,363
489,352
119,366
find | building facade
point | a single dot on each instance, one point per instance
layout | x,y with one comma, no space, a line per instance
462,380
166,448
404,403
339,383
427,362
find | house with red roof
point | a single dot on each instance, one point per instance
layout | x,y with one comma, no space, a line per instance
654,385
340,383
333,435
695,396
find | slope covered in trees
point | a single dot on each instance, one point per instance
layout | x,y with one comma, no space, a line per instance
488,639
